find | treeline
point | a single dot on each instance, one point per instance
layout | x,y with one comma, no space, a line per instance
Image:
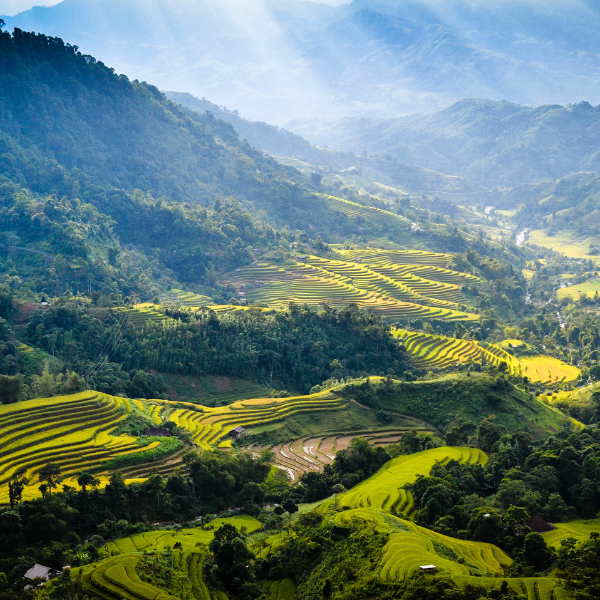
294,349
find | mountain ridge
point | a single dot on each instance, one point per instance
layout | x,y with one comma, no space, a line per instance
408,57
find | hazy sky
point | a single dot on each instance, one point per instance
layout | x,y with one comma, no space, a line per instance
13,7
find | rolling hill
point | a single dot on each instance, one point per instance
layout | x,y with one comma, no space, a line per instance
85,431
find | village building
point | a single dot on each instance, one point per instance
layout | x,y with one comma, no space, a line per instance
237,432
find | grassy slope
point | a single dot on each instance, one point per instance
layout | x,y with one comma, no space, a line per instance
410,546
80,444
580,530
451,399
384,491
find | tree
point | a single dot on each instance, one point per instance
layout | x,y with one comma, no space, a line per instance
86,480
290,507
16,485
486,525
515,520
316,486
231,556
251,493
488,433
49,475
535,551
156,484
44,384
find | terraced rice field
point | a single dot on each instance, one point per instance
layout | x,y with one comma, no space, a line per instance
402,257
77,432
369,213
312,453
116,578
466,562
187,298
411,546
439,352
385,490
188,538
547,369
141,314
397,291
72,431
209,426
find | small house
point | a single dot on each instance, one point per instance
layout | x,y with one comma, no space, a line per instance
237,432
428,568
40,572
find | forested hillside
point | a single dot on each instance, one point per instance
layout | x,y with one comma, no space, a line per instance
123,184
488,142
286,372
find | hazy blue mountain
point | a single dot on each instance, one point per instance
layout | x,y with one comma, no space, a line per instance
487,142
276,60
261,135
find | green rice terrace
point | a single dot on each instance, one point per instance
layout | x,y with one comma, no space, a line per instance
118,577
397,284
87,431
384,502
438,352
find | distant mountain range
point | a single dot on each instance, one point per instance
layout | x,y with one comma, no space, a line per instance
284,59
487,142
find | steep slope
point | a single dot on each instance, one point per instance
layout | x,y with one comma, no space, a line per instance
122,183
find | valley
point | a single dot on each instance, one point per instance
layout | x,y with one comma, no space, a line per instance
342,345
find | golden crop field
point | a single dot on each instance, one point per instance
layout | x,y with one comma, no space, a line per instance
440,352
385,490
398,284
72,431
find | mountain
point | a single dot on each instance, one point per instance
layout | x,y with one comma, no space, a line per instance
261,135
129,188
278,60
489,143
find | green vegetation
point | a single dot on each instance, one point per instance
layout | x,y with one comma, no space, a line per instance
305,346
450,401
385,490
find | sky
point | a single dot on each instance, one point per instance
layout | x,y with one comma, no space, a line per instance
13,7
